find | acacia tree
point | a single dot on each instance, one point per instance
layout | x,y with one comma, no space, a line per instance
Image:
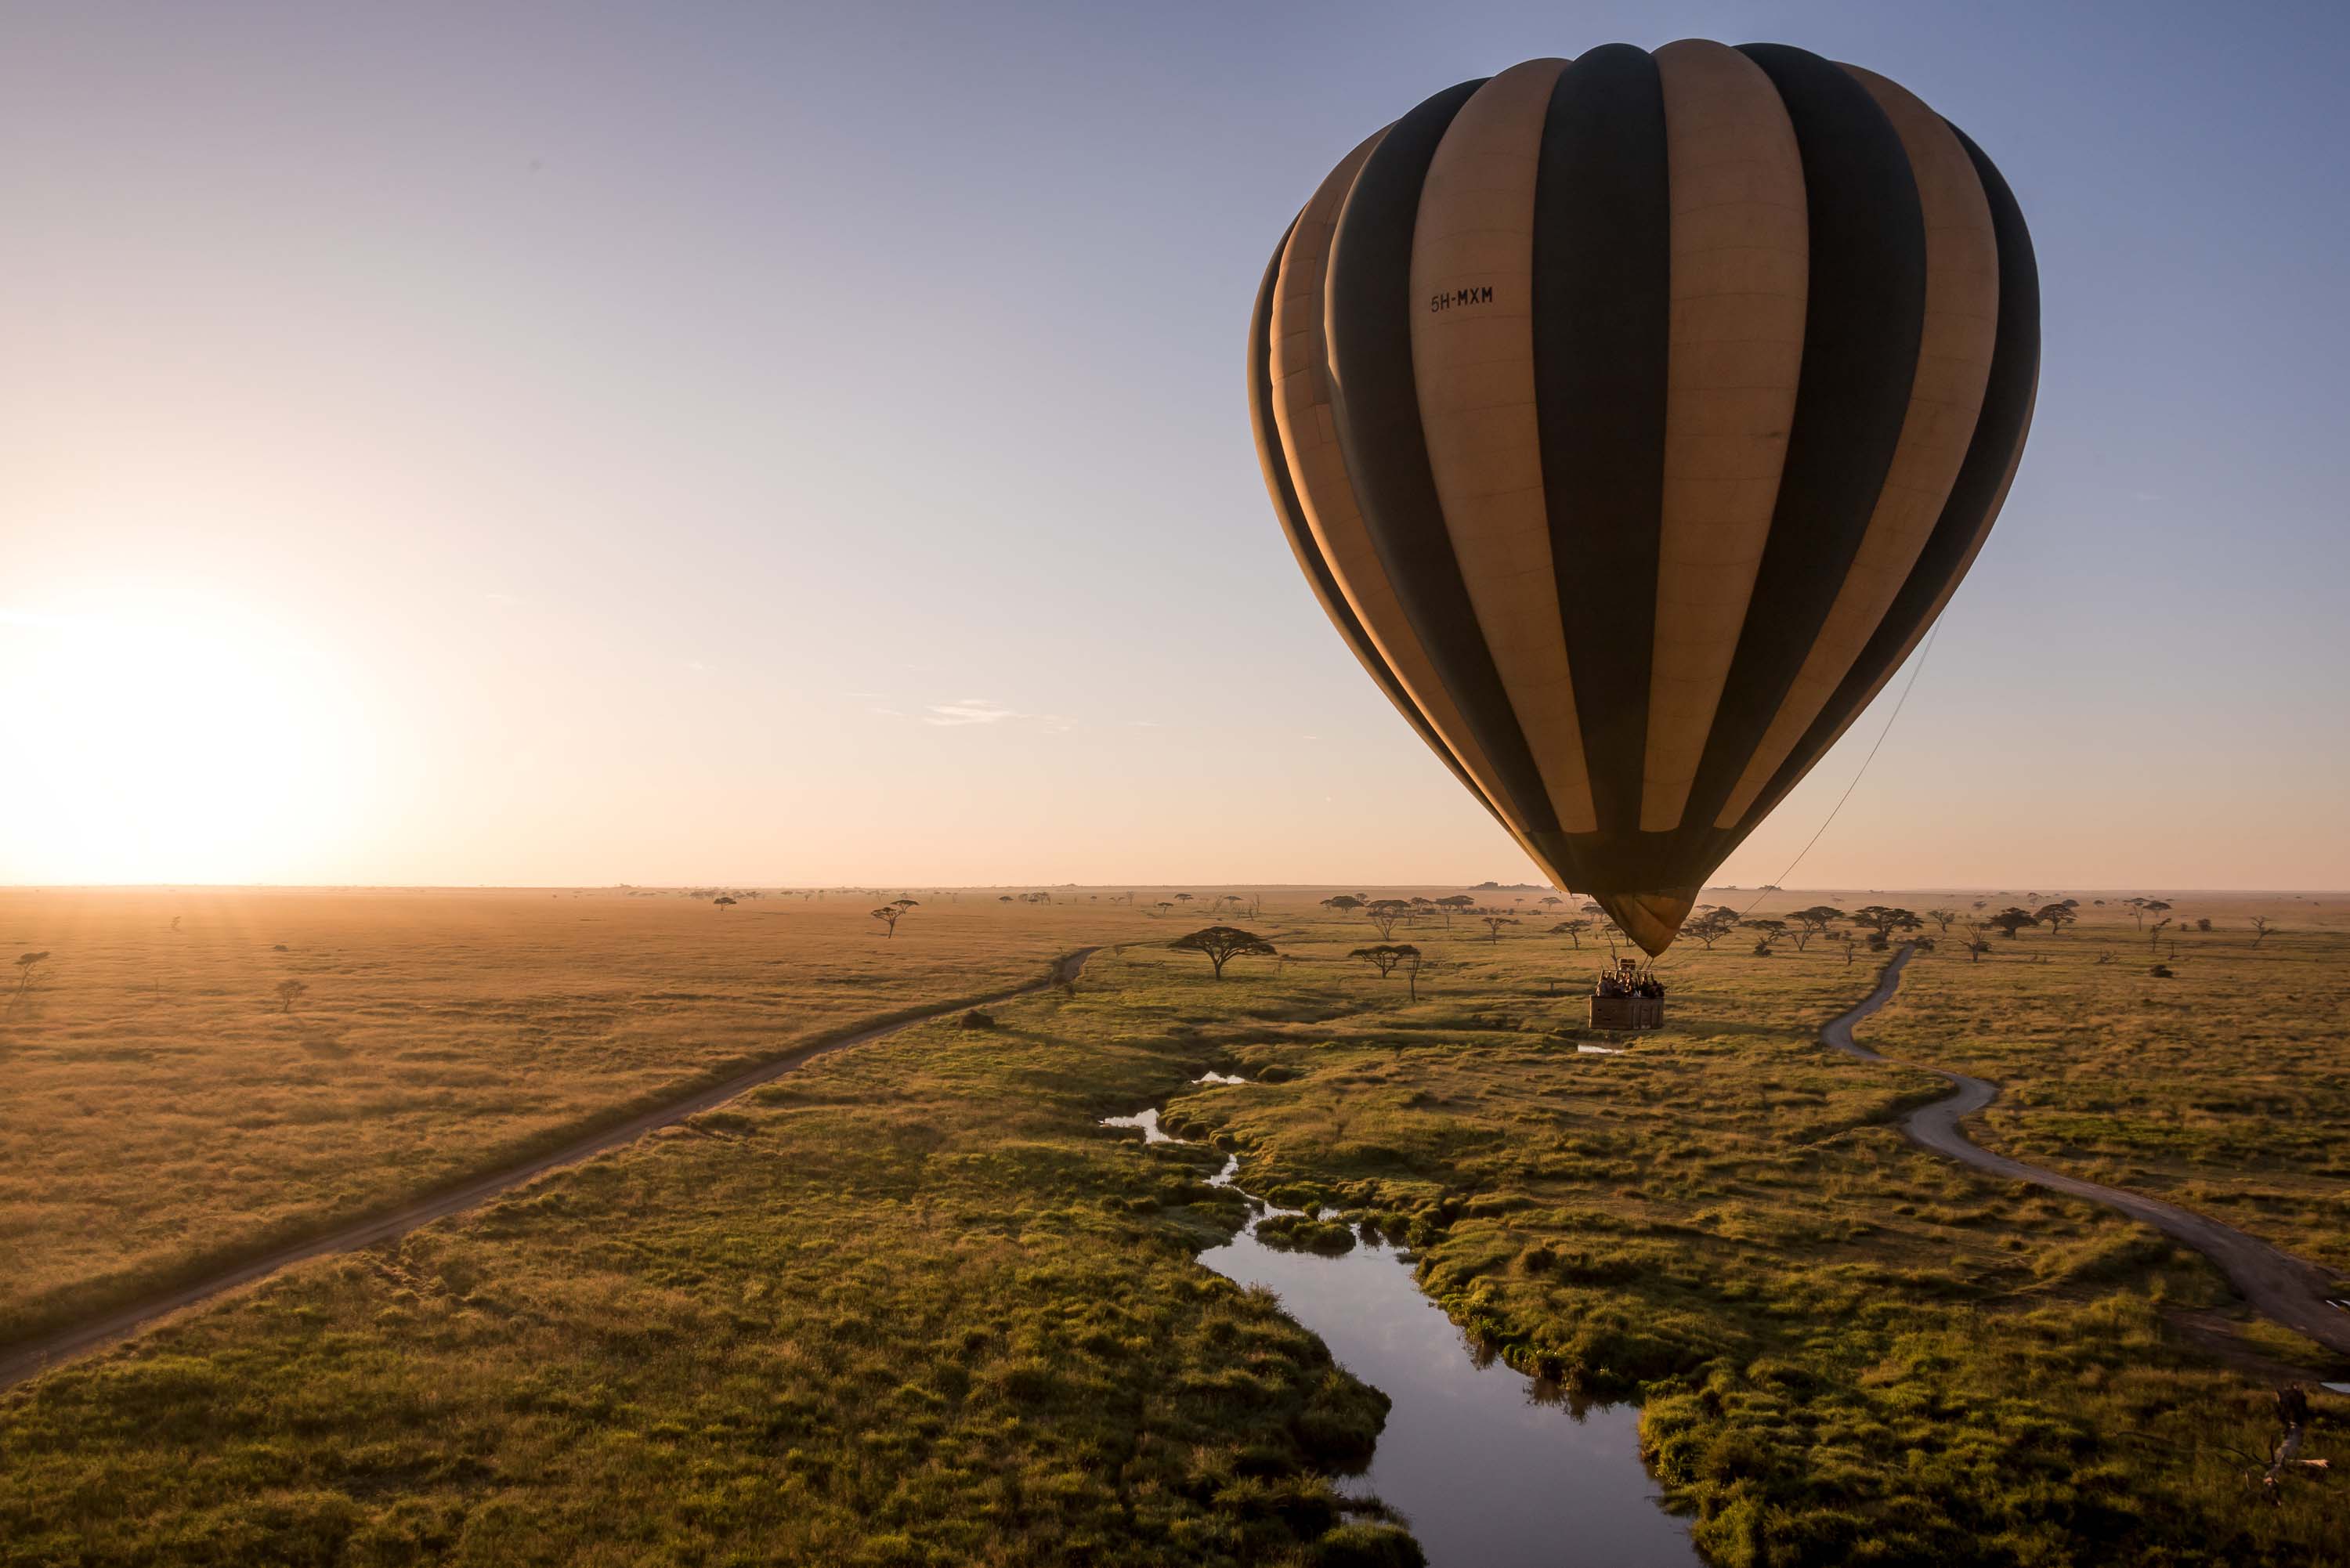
722,901
1574,929
2011,919
1386,958
1767,931
1413,959
1885,919
1344,903
1712,923
1813,922
1494,924
1460,902
1942,919
289,991
1975,946
2262,929
1222,944
891,913
1384,913
26,964
2055,916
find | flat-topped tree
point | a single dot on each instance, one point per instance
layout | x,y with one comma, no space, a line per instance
26,964
1885,919
1814,922
1222,944
1494,924
2011,919
1344,903
1386,956
1459,901
1942,919
1573,929
889,914
1766,932
2055,916
1710,925
1384,913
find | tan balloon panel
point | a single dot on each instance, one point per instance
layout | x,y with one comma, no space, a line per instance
1954,358
1792,572
1472,355
1300,383
1740,275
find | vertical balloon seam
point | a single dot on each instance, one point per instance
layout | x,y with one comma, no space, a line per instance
1376,404
1306,424
1472,367
1862,326
1601,327
2000,431
1739,283
1283,490
1945,405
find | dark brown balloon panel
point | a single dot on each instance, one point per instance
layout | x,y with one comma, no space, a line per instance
1633,416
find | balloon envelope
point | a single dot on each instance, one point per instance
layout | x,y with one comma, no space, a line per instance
1633,416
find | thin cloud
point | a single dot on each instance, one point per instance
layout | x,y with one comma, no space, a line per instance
971,711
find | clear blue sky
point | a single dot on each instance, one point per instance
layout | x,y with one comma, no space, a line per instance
799,443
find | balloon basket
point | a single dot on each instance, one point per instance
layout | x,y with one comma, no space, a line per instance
1627,1012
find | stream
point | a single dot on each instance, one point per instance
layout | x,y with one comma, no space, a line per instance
1491,1468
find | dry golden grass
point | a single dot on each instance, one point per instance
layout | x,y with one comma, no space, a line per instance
163,1112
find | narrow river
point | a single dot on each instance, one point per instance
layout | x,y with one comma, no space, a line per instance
1491,1469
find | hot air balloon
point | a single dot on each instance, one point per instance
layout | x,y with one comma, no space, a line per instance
1633,416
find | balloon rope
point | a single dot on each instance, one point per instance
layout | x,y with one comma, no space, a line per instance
1915,671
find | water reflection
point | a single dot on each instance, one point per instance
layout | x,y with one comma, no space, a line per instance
1493,1469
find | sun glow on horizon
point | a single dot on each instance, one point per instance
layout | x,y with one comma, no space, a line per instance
168,738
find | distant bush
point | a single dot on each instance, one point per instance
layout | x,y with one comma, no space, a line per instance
975,1019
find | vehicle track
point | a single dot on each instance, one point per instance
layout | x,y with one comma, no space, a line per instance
30,1357
2285,1290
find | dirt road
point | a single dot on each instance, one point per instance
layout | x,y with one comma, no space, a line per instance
2280,1287
29,1358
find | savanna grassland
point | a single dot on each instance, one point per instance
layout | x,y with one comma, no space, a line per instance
2225,1088
913,1304
166,1111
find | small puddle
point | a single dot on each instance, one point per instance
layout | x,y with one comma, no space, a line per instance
1491,1469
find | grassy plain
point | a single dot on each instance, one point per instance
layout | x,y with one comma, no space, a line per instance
164,1112
1849,1350
911,1305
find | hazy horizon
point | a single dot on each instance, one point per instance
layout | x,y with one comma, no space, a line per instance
563,446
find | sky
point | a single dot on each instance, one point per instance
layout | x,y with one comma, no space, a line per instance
574,444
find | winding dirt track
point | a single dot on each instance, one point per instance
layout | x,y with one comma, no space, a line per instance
2280,1287
31,1357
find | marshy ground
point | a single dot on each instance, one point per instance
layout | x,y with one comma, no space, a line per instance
913,1304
